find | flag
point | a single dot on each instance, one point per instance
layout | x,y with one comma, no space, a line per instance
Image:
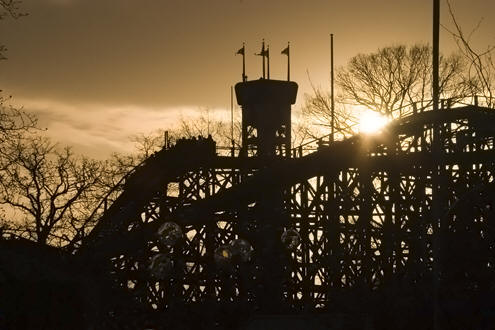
263,52
286,52
240,51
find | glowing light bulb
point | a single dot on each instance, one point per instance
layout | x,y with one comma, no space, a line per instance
169,233
242,249
290,238
160,266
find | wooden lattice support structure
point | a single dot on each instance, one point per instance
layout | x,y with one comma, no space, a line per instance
364,210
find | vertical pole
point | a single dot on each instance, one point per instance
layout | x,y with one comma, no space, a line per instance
288,61
268,61
242,51
332,137
244,78
436,42
286,51
436,178
232,116
263,56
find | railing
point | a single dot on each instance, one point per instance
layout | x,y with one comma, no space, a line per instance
311,146
405,111
427,105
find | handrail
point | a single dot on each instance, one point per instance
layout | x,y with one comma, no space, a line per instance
412,109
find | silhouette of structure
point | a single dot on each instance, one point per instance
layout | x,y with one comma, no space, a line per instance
394,230
400,223
266,116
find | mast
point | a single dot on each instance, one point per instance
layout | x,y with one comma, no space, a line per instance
332,137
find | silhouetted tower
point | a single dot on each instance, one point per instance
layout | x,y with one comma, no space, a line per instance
266,134
266,116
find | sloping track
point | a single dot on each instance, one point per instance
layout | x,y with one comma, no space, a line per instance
144,183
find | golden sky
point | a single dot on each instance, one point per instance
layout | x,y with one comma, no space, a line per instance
97,71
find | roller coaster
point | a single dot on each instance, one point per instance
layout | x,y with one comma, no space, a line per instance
387,231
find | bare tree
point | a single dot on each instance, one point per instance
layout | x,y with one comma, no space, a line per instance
207,123
13,120
146,145
10,8
204,123
395,79
48,192
317,111
302,130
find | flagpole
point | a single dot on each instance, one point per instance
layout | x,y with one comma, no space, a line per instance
242,51
286,51
436,32
243,63
263,56
332,139
288,61
268,60
232,115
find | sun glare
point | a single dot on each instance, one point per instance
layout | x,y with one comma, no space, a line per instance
371,122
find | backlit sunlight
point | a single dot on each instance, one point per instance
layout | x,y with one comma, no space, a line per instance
371,122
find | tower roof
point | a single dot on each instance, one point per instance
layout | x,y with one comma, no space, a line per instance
266,91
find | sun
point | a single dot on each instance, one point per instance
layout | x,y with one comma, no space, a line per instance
371,122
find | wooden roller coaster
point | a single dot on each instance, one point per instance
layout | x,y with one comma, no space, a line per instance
385,231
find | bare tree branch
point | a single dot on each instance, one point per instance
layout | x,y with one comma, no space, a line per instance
481,66
51,190
9,8
394,81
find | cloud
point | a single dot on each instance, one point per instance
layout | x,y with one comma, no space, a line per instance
98,130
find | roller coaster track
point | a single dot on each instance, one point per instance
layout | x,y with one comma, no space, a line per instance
142,183
283,173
